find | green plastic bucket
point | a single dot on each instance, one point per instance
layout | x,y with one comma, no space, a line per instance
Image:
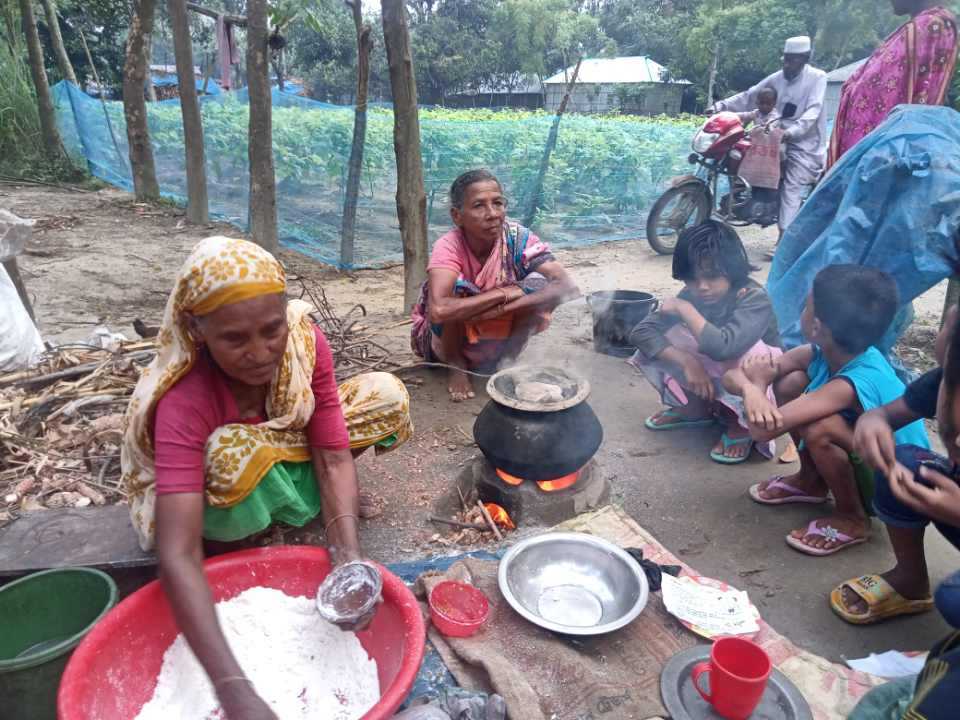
43,617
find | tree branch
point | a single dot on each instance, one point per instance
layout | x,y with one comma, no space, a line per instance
232,19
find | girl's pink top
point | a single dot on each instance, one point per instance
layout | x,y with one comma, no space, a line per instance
201,402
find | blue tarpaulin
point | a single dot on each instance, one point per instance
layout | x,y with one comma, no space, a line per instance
892,202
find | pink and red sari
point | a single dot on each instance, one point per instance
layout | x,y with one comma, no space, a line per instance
913,66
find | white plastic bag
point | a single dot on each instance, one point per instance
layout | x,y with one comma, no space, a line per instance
761,166
14,233
20,343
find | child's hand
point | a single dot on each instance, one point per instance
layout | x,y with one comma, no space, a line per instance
930,493
671,306
697,379
761,370
760,411
873,441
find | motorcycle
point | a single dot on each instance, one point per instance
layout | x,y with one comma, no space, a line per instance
719,149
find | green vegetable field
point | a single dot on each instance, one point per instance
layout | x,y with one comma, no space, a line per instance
604,173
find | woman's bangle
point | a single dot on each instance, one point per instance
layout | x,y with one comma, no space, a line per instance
232,678
332,520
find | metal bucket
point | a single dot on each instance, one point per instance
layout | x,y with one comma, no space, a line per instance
615,314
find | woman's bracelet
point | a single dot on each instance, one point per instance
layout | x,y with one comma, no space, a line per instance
232,678
332,520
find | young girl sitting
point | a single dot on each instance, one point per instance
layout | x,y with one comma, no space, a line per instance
717,320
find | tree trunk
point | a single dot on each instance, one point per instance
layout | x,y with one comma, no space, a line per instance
712,80
536,194
411,197
134,107
10,25
349,226
263,183
53,145
147,56
276,59
56,42
197,204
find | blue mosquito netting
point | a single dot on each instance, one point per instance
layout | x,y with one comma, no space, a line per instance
892,202
604,174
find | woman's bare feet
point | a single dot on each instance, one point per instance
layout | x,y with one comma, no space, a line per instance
459,386
856,528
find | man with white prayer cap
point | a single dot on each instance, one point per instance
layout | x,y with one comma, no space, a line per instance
800,90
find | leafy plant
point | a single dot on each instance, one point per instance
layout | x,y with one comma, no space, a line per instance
604,173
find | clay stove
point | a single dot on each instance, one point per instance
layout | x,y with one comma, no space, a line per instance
538,436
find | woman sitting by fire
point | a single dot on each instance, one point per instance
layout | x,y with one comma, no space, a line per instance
238,424
491,285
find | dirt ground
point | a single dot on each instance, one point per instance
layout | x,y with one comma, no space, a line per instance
98,258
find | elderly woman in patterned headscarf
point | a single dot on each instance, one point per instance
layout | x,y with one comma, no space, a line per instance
239,424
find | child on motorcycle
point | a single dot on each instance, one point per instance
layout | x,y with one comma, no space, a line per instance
719,319
766,111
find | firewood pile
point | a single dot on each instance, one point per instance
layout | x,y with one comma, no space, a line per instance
351,339
476,523
61,421
60,427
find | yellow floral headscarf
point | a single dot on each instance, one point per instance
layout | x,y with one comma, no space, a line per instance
220,271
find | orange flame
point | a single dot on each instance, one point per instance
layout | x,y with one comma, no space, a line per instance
559,483
500,516
508,479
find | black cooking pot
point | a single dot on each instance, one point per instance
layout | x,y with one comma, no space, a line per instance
538,445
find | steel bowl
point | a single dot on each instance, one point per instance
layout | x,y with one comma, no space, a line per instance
573,583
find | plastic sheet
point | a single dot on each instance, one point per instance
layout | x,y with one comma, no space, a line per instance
892,202
20,343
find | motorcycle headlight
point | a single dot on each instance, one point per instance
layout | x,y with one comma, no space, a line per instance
702,141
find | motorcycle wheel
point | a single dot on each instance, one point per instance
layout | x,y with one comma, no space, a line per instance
678,208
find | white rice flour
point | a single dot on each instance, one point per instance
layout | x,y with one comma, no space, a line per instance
302,666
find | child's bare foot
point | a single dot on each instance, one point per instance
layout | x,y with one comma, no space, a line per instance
459,386
831,533
807,482
908,583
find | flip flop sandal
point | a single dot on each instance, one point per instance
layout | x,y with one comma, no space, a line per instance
796,495
828,532
790,454
883,601
729,443
679,421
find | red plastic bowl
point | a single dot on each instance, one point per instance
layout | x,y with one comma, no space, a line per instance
113,672
458,609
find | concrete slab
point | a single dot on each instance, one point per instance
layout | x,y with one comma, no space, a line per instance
99,537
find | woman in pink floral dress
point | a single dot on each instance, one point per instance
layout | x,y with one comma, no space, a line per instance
914,65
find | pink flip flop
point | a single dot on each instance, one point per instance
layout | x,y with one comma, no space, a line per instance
831,533
796,494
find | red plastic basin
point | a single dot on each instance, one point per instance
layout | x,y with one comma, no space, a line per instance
113,672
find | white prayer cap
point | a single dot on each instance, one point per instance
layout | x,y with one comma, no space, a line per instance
799,45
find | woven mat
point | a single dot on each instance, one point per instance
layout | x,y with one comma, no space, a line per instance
545,677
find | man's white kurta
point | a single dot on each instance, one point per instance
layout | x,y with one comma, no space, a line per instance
805,133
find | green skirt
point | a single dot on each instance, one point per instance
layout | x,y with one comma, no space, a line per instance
287,494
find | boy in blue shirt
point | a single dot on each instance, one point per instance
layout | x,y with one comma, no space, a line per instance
821,390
